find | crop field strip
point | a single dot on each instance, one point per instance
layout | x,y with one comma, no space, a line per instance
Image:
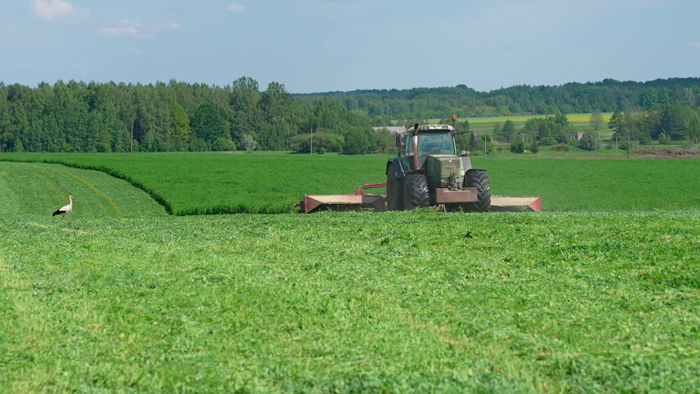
38,188
353,302
580,121
210,183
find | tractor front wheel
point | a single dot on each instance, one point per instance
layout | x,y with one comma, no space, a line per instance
415,191
479,180
394,190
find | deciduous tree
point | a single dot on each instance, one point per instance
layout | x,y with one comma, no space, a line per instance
596,119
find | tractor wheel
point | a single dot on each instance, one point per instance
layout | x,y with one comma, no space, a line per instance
415,191
394,190
479,180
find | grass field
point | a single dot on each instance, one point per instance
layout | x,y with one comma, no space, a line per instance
398,302
273,183
42,188
124,298
233,183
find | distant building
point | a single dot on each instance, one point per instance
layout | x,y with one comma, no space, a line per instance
393,129
578,135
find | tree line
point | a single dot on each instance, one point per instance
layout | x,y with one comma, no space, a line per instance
607,96
178,116
662,123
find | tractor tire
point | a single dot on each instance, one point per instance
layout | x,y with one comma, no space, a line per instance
394,191
415,191
479,180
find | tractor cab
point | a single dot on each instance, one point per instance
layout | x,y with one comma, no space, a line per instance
427,140
440,143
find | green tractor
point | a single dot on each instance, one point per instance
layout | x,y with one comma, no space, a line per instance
428,172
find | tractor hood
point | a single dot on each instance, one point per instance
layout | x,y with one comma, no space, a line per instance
441,167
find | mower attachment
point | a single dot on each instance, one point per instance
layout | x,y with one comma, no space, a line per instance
375,202
343,202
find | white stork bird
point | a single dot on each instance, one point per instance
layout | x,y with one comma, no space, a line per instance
65,210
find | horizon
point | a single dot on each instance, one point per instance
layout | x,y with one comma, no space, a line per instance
317,46
3,83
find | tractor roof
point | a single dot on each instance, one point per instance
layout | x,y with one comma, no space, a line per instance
432,128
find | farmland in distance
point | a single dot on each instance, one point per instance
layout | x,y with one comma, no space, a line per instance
580,122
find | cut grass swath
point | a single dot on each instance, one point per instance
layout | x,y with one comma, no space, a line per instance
399,302
39,188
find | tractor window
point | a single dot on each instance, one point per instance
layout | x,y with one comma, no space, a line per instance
436,144
431,144
409,143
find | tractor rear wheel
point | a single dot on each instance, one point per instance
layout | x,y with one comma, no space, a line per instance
479,180
394,190
415,191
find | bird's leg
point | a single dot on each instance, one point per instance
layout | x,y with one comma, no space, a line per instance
64,217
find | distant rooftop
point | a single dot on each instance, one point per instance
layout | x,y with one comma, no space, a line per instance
393,129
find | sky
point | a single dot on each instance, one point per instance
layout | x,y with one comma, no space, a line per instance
343,45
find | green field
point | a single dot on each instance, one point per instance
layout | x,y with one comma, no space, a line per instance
397,302
38,188
273,183
124,298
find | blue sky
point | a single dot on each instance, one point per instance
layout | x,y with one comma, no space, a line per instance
320,45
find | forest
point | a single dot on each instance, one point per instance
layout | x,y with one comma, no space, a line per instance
178,116
606,96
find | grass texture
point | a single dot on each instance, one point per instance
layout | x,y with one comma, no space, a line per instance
211,183
351,303
214,183
38,188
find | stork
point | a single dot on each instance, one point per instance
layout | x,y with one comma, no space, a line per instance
65,210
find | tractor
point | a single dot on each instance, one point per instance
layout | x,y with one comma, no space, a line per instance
428,172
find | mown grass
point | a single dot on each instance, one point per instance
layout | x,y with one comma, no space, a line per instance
212,183
353,302
272,183
39,188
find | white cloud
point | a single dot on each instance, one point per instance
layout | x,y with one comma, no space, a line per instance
125,28
695,45
236,8
128,22
55,9
170,26
130,29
